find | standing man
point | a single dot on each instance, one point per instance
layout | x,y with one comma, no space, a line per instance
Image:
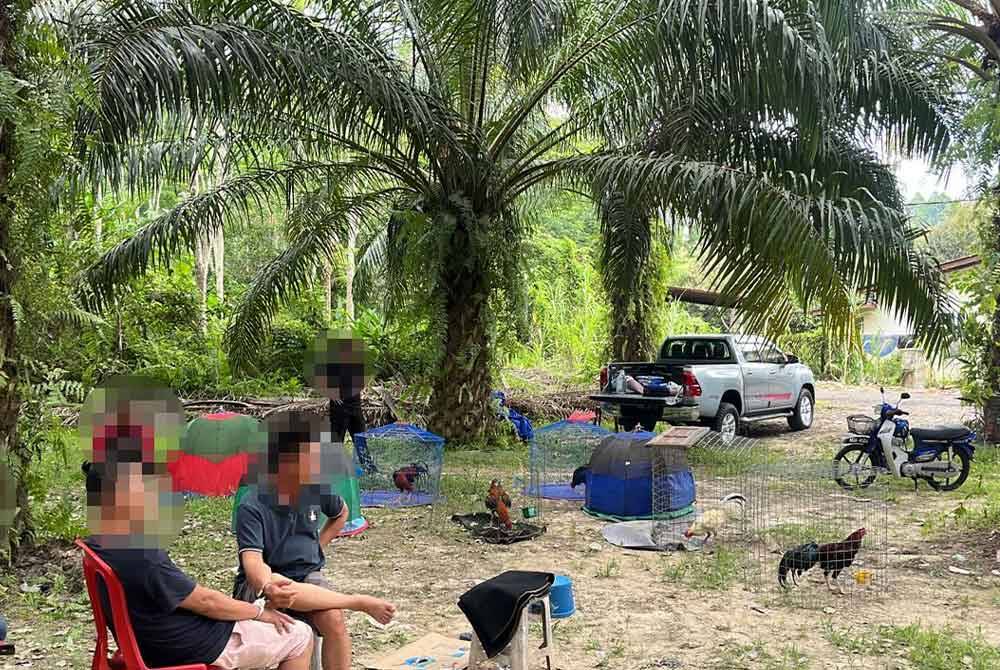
338,371
281,537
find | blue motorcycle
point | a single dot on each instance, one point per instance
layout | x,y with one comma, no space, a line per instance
940,456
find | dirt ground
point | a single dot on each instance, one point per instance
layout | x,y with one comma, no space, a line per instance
634,609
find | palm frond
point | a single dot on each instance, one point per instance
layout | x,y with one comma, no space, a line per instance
316,228
233,201
758,238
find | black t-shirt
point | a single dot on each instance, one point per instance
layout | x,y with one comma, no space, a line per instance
154,587
287,537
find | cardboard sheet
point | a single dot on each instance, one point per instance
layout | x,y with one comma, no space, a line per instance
431,652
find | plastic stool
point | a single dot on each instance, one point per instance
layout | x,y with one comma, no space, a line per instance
316,662
516,653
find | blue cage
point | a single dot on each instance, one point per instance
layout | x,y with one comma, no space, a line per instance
398,465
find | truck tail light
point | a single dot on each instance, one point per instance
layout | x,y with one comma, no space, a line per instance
690,382
604,377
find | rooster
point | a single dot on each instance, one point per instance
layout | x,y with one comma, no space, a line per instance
836,557
713,520
405,477
498,503
796,561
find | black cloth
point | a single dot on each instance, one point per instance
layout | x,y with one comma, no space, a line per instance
287,537
346,417
494,607
154,588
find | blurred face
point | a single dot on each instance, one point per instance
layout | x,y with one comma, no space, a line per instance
131,508
129,420
299,469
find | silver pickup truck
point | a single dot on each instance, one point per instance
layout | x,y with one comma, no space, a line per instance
719,380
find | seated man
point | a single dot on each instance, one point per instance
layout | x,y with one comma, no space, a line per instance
5,649
280,537
175,620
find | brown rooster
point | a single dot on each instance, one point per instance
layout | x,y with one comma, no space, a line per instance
498,503
836,557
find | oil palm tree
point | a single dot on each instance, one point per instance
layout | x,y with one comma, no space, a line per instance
445,116
823,149
966,35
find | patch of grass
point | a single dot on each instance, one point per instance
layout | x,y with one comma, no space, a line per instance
609,569
757,653
716,571
924,648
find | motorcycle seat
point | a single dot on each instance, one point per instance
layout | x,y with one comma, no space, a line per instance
939,433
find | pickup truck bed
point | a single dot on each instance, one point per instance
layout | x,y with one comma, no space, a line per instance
726,380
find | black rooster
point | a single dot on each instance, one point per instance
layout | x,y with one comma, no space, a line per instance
796,561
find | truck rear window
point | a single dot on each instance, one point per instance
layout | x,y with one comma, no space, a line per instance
698,350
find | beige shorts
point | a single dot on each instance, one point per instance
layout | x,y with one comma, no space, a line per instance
256,645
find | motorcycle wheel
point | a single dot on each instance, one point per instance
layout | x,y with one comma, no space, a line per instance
853,469
954,482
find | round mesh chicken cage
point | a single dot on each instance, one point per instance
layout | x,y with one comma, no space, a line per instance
557,452
398,465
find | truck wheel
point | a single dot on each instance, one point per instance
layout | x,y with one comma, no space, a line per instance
630,419
727,421
802,418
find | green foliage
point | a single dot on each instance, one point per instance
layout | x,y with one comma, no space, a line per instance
566,306
957,234
923,648
845,362
700,571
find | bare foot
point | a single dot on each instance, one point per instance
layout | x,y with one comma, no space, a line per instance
378,609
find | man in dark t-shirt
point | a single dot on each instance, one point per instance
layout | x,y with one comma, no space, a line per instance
281,532
337,370
175,621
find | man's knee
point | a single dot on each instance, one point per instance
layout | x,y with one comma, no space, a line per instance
302,635
330,623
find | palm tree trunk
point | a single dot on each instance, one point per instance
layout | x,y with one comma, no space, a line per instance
219,239
991,417
460,399
201,257
9,396
631,334
328,291
349,268
219,263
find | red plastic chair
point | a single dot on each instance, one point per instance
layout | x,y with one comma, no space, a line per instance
127,657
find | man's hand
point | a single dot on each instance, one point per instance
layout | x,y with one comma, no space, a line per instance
279,620
378,609
278,593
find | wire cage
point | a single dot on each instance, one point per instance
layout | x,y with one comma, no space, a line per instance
701,488
398,465
556,453
784,522
813,538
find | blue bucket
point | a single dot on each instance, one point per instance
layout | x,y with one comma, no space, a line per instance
561,597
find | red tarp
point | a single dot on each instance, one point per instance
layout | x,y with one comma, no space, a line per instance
194,474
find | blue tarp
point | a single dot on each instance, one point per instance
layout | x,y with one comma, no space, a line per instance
880,345
620,482
521,423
